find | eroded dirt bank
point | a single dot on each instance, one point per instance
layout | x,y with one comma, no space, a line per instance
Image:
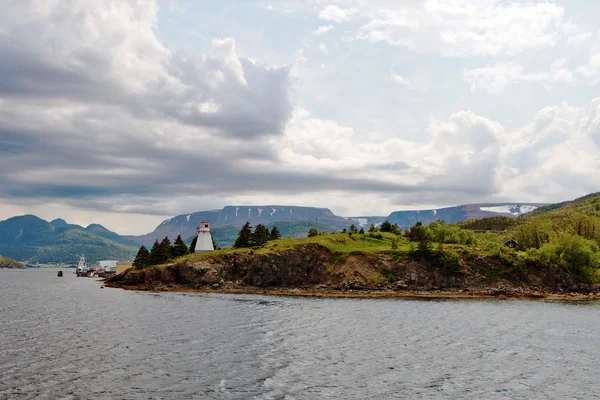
313,270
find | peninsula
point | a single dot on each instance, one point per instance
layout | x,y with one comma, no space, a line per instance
550,253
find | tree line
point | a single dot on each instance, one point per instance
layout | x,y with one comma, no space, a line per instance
161,252
259,237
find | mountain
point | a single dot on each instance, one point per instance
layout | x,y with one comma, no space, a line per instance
32,239
59,222
285,217
406,219
294,221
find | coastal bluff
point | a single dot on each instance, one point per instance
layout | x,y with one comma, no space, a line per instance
314,269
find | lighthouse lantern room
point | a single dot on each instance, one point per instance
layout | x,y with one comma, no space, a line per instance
204,241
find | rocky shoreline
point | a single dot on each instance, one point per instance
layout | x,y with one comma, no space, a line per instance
374,293
314,271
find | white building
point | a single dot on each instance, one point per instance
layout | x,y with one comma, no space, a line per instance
108,265
204,241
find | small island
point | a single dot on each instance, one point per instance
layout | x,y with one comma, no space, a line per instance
6,262
550,253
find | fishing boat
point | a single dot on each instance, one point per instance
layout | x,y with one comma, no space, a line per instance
82,268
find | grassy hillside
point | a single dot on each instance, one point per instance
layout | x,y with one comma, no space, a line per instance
225,236
565,234
6,262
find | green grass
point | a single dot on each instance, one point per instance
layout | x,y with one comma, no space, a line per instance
340,244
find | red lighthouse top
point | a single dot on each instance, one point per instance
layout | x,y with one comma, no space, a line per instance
204,227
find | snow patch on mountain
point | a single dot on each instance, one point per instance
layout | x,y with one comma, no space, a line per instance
509,209
362,221
526,209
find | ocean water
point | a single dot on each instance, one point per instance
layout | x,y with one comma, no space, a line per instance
66,338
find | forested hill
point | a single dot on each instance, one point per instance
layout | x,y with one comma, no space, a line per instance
32,239
586,204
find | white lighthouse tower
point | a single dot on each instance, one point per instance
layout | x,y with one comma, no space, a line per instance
204,241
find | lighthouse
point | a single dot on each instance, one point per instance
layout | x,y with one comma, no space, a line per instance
204,241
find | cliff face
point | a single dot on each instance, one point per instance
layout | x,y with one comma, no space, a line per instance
315,266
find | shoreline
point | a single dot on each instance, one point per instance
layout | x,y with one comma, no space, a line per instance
365,294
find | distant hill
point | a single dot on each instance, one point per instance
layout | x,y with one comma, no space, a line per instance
234,217
406,219
6,262
295,221
29,238
580,202
32,239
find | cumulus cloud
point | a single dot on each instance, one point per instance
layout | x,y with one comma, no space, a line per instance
399,79
335,13
494,79
323,29
97,113
591,69
467,27
52,52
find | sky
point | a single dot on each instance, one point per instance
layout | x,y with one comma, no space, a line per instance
127,112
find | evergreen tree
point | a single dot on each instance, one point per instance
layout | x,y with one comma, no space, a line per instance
313,232
164,251
179,247
214,243
142,258
395,229
386,226
154,254
244,238
275,234
353,228
417,232
261,235
362,231
193,244
372,228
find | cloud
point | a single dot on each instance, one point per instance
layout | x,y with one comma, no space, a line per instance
591,69
124,63
323,48
106,117
468,27
336,13
399,79
323,29
495,79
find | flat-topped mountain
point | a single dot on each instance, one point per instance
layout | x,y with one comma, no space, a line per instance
236,216
33,239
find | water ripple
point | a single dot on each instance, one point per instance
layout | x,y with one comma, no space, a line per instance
66,338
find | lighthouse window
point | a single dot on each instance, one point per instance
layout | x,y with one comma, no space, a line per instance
206,226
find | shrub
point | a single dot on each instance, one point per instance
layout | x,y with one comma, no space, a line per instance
574,253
